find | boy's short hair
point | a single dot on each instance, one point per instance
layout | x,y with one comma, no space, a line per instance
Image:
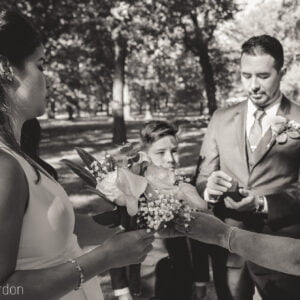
155,130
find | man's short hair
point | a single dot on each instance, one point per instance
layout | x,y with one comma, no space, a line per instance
265,44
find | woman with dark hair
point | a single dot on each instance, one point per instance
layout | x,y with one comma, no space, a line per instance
39,251
30,144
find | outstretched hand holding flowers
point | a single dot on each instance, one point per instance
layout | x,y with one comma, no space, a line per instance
145,182
156,198
167,197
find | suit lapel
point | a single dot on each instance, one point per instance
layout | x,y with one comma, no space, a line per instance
264,145
263,148
240,129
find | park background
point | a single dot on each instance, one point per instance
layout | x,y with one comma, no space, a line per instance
113,65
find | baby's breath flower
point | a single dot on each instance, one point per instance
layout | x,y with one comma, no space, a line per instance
157,213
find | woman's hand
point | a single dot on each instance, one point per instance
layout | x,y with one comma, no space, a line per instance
127,248
205,228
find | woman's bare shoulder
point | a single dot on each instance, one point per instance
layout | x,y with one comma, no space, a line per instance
12,177
9,164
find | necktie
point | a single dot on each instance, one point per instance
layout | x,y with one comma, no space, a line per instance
255,133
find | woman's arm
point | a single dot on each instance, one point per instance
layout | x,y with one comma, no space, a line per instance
51,283
277,253
54,282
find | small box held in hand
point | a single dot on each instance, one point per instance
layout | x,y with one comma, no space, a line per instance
233,192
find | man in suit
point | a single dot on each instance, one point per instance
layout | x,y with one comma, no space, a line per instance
238,147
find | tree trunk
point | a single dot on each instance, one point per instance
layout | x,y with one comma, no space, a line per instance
156,105
201,108
208,76
140,108
167,102
297,30
200,48
51,112
148,113
108,108
119,128
126,101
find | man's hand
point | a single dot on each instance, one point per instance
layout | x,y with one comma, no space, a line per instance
248,203
217,184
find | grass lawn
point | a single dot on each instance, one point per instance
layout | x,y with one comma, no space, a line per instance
60,137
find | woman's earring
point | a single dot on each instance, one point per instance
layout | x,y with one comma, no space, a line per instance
6,71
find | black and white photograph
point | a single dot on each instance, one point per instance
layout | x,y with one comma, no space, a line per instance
150,149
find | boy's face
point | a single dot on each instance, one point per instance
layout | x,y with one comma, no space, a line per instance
163,152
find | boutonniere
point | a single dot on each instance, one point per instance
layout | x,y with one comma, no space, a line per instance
282,129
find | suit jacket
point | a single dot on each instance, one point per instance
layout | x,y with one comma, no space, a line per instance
273,173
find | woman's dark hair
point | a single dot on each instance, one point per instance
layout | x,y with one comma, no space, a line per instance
265,44
155,130
18,37
18,40
30,144
31,137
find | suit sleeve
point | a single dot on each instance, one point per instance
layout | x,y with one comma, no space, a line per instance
283,208
209,155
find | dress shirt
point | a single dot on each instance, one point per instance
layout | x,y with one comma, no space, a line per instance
270,112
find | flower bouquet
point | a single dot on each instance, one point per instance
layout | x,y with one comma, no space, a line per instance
167,197
111,182
154,199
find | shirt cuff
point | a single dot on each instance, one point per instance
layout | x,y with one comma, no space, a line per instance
120,292
265,209
200,284
262,206
207,199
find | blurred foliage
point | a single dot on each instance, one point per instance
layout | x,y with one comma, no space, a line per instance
179,53
276,18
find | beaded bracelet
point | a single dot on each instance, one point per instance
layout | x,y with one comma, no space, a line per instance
81,274
229,238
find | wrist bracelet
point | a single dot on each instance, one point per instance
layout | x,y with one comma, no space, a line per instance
229,239
80,271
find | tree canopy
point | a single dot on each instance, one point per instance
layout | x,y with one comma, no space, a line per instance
156,57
